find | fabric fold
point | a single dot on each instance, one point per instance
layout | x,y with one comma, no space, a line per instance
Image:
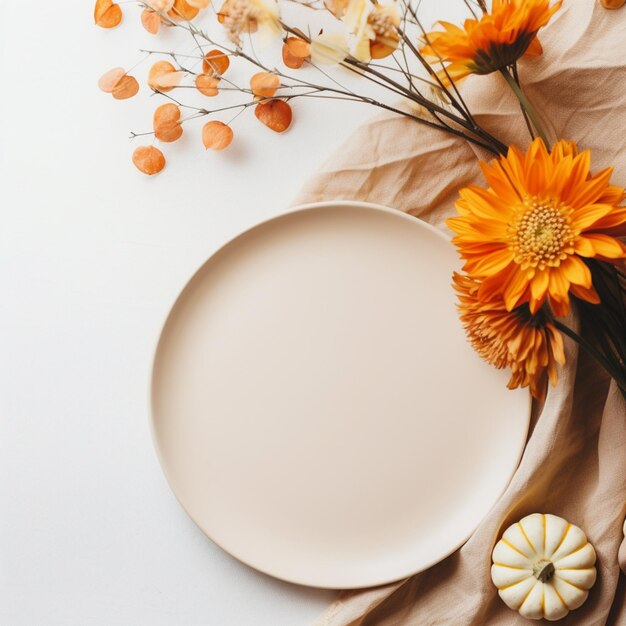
574,464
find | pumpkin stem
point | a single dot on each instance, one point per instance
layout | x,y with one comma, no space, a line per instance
543,570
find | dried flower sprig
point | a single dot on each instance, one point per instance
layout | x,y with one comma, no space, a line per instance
372,31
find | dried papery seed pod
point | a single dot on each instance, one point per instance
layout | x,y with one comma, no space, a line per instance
163,76
275,114
295,52
612,4
126,87
166,123
109,79
207,85
215,62
291,61
182,10
107,14
151,21
298,47
264,84
216,135
148,160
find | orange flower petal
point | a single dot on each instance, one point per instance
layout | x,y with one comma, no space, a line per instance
576,271
207,85
216,135
275,114
151,21
264,84
126,87
585,217
606,246
163,76
538,286
148,159
515,288
107,14
166,122
584,293
109,79
215,63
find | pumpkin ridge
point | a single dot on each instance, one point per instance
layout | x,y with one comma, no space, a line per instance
567,582
545,535
562,540
508,543
517,582
529,592
528,541
572,552
525,568
559,596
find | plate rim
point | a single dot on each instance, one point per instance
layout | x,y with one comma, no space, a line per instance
302,208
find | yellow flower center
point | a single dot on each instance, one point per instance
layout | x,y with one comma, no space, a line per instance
541,236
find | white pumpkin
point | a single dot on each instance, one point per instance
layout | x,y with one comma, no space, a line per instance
543,567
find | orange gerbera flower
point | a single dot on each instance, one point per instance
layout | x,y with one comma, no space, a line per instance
524,237
529,344
495,41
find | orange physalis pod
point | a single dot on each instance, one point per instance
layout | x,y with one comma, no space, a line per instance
118,83
199,4
264,84
107,14
163,76
182,10
148,159
151,21
295,52
298,47
109,79
292,62
126,87
215,62
216,135
207,85
275,114
166,123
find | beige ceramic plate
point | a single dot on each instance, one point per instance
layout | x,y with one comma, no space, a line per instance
316,408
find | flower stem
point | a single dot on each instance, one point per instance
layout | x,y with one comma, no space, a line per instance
526,105
612,371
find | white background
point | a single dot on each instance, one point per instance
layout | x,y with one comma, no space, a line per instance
92,255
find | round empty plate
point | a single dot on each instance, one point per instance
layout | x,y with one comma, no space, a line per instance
317,409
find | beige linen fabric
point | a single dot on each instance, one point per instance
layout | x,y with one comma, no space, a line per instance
574,464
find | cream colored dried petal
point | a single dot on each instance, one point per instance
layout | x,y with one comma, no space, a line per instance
328,49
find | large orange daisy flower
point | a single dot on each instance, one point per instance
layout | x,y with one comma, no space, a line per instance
493,42
529,344
525,236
